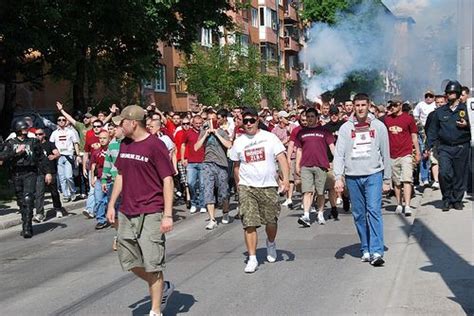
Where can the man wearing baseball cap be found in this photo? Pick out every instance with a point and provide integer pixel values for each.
(146, 210)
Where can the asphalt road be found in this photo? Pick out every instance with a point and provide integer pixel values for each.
(69, 268)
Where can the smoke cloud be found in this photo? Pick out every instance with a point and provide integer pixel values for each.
(421, 56)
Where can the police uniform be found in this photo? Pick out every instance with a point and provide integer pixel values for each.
(24, 170)
(453, 152)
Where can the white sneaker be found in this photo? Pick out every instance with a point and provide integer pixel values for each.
(59, 214)
(302, 206)
(225, 218)
(203, 210)
(312, 210)
(251, 266)
(152, 313)
(338, 201)
(399, 209)
(435, 185)
(287, 202)
(321, 219)
(407, 211)
(271, 251)
(212, 224)
(365, 257)
(426, 183)
(193, 209)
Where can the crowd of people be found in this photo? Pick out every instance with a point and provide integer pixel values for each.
(131, 165)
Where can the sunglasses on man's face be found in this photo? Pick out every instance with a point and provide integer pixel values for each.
(61, 120)
(187, 123)
(249, 120)
(39, 134)
(97, 126)
(430, 96)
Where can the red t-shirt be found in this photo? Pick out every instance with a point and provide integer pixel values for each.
(190, 138)
(170, 126)
(293, 134)
(178, 140)
(314, 141)
(143, 166)
(400, 129)
(98, 157)
(92, 141)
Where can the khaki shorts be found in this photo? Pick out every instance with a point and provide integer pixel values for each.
(402, 170)
(145, 250)
(313, 179)
(258, 206)
(330, 180)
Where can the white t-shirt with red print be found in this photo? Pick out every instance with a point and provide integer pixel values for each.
(257, 157)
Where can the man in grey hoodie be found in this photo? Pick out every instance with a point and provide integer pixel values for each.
(362, 156)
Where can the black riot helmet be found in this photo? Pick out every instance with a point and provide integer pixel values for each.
(20, 125)
(453, 86)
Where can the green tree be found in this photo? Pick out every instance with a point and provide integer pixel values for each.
(231, 76)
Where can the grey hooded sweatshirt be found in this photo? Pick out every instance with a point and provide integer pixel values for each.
(348, 159)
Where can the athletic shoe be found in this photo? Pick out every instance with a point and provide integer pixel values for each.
(102, 225)
(225, 218)
(435, 185)
(152, 313)
(193, 209)
(114, 244)
(377, 260)
(321, 219)
(304, 221)
(338, 201)
(168, 289)
(458, 206)
(287, 202)
(211, 225)
(82, 196)
(446, 206)
(365, 257)
(312, 210)
(251, 266)
(346, 205)
(59, 214)
(271, 251)
(74, 197)
(407, 211)
(302, 206)
(66, 199)
(38, 218)
(87, 214)
(334, 213)
(203, 210)
(399, 209)
(426, 183)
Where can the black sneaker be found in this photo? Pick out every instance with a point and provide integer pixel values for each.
(458, 206)
(334, 213)
(446, 206)
(168, 289)
(377, 260)
(303, 221)
(346, 205)
(101, 225)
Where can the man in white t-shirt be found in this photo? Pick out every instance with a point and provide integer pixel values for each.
(255, 169)
(421, 112)
(66, 141)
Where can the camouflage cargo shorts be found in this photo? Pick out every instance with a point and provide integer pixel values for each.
(258, 206)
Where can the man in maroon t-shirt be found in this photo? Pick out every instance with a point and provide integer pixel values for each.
(193, 165)
(402, 135)
(312, 164)
(145, 180)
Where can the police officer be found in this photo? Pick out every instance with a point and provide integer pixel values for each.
(450, 126)
(23, 154)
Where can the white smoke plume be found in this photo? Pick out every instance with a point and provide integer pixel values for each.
(421, 56)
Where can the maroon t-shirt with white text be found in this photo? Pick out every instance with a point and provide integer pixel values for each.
(143, 166)
(400, 129)
(314, 141)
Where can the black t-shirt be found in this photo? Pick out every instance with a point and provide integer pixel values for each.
(45, 164)
(333, 128)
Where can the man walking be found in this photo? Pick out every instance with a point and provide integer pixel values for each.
(146, 210)
(254, 155)
(403, 136)
(362, 155)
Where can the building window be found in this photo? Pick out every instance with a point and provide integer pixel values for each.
(243, 41)
(160, 80)
(254, 17)
(262, 16)
(206, 37)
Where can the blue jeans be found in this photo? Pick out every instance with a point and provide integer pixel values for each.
(90, 202)
(196, 184)
(366, 199)
(66, 180)
(101, 201)
(424, 163)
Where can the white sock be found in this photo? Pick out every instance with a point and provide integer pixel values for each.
(306, 214)
(253, 258)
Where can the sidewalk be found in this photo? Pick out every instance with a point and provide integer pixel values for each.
(9, 216)
(437, 272)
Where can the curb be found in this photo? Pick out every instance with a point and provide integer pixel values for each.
(17, 221)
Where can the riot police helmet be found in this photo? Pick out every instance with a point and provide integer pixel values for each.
(453, 86)
(20, 125)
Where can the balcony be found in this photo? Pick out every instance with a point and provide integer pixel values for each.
(291, 44)
(267, 34)
(290, 12)
(292, 74)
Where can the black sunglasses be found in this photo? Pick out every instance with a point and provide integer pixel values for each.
(185, 123)
(429, 96)
(97, 126)
(249, 120)
(39, 134)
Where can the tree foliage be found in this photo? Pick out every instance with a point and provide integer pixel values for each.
(231, 76)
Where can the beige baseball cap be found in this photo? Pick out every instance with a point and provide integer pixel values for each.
(131, 112)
